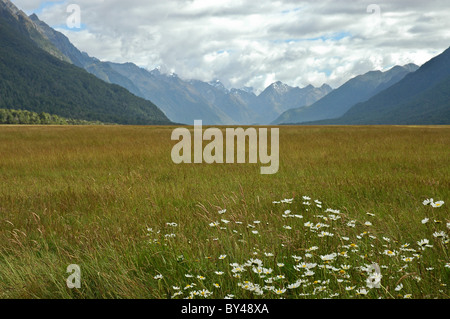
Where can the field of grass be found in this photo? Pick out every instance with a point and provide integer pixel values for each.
(108, 198)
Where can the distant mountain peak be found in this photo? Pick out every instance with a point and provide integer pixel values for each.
(243, 91)
(248, 89)
(411, 67)
(156, 71)
(279, 87)
(218, 85)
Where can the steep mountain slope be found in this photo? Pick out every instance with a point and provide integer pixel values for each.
(422, 97)
(32, 79)
(94, 66)
(22, 24)
(356, 90)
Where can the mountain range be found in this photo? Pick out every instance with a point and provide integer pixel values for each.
(358, 89)
(184, 101)
(42, 71)
(420, 98)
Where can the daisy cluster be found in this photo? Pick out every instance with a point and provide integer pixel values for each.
(319, 253)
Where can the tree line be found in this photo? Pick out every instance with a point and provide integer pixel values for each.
(9, 116)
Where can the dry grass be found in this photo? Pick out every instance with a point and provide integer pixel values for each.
(86, 195)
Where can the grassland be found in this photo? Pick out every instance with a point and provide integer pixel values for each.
(109, 199)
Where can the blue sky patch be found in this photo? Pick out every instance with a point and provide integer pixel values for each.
(45, 5)
(334, 37)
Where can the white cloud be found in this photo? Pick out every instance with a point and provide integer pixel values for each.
(254, 43)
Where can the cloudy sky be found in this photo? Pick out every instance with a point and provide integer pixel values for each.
(254, 43)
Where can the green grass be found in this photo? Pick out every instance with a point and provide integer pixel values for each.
(87, 196)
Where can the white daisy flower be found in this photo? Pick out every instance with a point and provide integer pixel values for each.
(399, 287)
(361, 291)
(440, 234)
(437, 204)
(424, 243)
(389, 253)
(329, 257)
(309, 273)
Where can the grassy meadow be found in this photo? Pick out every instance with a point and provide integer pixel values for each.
(110, 199)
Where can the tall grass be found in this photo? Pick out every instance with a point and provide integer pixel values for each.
(90, 195)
